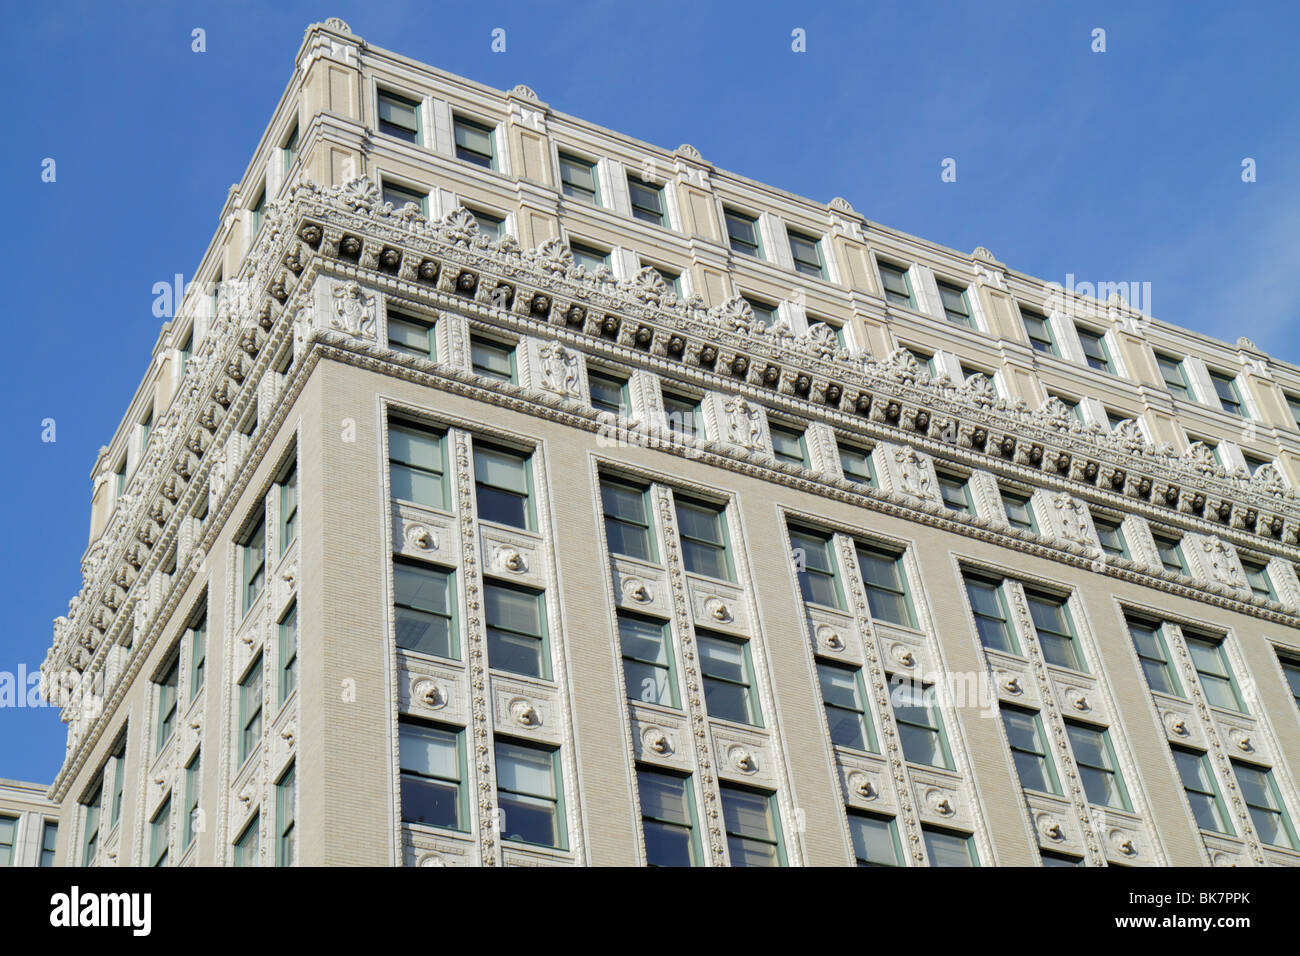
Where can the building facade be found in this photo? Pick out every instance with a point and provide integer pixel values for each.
(506, 491)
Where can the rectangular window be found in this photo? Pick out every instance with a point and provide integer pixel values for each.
(956, 308)
(1060, 859)
(875, 840)
(886, 584)
(253, 563)
(1216, 676)
(1175, 378)
(1111, 534)
(1225, 387)
(1257, 577)
(1202, 791)
(1020, 514)
(920, 729)
(857, 466)
(475, 142)
(608, 393)
(399, 117)
(492, 359)
(673, 280)
(8, 839)
(288, 653)
(250, 710)
(704, 539)
(417, 463)
(258, 209)
(516, 631)
(117, 765)
(807, 254)
(1094, 350)
(647, 201)
(433, 768)
(159, 828)
(956, 497)
(1039, 331)
(788, 445)
(627, 520)
(399, 196)
(1153, 654)
(1102, 781)
(682, 415)
(647, 659)
(946, 848)
(503, 485)
(1171, 553)
(1291, 671)
(424, 600)
(289, 509)
(529, 795)
(753, 834)
(1254, 464)
(1029, 750)
(90, 833)
(489, 225)
(668, 819)
(1267, 812)
(193, 780)
(186, 348)
(1293, 403)
(286, 837)
(1055, 629)
(589, 257)
(988, 604)
(167, 704)
(742, 233)
(578, 179)
(290, 148)
(247, 843)
(49, 840)
(764, 313)
(815, 566)
(411, 335)
(897, 285)
(846, 714)
(728, 679)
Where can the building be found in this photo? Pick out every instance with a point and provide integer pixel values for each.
(29, 825)
(526, 494)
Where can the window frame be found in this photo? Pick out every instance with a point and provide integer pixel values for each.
(1217, 807)
(1101, 362)
(668, 669)
(447, 580)
(893, 296)
(559, 820)
(749, 688)
(542, 639)
(873, 589)
(805, 266)
(824, 544)
(568, 161)
(794, 434)
(413, 727)
(415, 136)
(529, 495)
(1004, 624)
(417, 324)
(460, 119)
(891, 826)
(722, 545)
(1031, 318)
(1107, 749)
(251, 709)
(737, 244)
(1046, 766)
(489, 344)
(1280, 808)
(936, 730)
(411, 432)
(774, 838)
(964, 319)
(648, 528)
(695, 849)
(660, 217)
(864, 721)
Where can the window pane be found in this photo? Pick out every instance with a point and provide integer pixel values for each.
(875, 841)
(948, 849)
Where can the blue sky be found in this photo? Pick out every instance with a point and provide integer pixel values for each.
(1115, 166)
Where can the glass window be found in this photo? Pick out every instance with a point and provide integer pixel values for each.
(647, 659)
(753, 835)
(920, 729)
(8, 839)
(1171, 370)
(647, 201)
(742, 233)
(952, 489)
(193, 781)
(399, 117)
(668, 819)
(897, 285)
(290, 148)
(1153, 654)
(489, 225)
(988, 604)
(846, 714)
(1029, 750)
(492, 359)
(1055, 630)
(247, 843)
(167, 704)
(159, 831)
(516, 631)
(529, 795)
(1102, 781)
(704, 539)
(1094, 350)
(117, 765)
(399, 196)
(588, 257)
(90, 833)
(946, 848)
(1293, 403)
(1267, 812)
(1039, 331)
(1202, 791)
(411, 335)
(288, 653)
(1171, 553)
(807, 255)
(875, 840)
(1020, 513)
(250, 710)
(886, 584)
(728, 679)
(1291, 671)
(1225, 387)
(1060, 859)
(433, 774)
(423, 600)
(286, 797)
(1216, 676)
(1111, 534)
(49, 840)
(503, 481)
(1257, 577)
(608, 393)
(627, 520)
(764, 313)
(815, 566)
(416, 465)
(475, 142)
(789, 446)
(578, 179)
(289, 509)
(956, 308)
(682, 415)
(254, 564)
(857, 465)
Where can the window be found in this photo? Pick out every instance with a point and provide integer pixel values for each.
(250, 710)
(289, 509)
(1095, 757)
(423, 607)
(807, 254)
(1175, 378)
(1153, 654)
(1111, 534)
(588, 257)
(416, 465)
(90, 837)
(8, 839)
(1293, 403)
(1291, 671)
(288, 653)
(753, 836)
(167, 704)
(920, 730)
(956, 308)
(764, 314)
(857, 466)
(399, 117)
(290, 148)
(578, 179)
(1039, 331)
(672, 280)
(608, 393)
(186, 348)
(1254, 464)
(253, 562)
(816, 568)
(1211, 665)
(788, 445)
(1202, 791)
(952, 489)
(988, 605)
(193, 780)
(489, 225)
(887, 597)
(503, 483)
(846, 715)
(1225, 386)
(399, 196)
(117, 766)
(433, 774)
(742, 233)
(492, 359)
(258, 209)
(1267, 812)
(1020, 513)
(49, 840)
(946, 848)
(286, 797)
(411, 335)
(647, 660)
(1055, 629)
(668, 819)
(1094, 350)
(897, 285)
(475, 142)
(924, 359)
(158, 834)
(728, 678)
(1171, 553)
(704, 539)
(627, 520)
(647, 201)
(1071, 405)
(682, 415)
(1060, 859)
(246, 844)
(875, 840)
(516, 631)
(1257, 578)
(1029, 750)
(529, 794)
